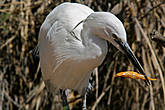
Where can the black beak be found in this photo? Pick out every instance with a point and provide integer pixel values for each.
(127, 50)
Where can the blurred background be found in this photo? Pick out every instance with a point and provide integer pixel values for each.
(21, 84)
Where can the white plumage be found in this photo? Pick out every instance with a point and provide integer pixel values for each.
(65, 61)
(67, 55)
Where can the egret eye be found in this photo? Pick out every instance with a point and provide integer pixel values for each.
(114, 37)
(117, 39)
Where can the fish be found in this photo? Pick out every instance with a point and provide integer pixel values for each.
(133, 75)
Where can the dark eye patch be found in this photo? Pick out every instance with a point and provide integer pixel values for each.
(114, 37)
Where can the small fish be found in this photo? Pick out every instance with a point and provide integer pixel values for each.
(133, 75)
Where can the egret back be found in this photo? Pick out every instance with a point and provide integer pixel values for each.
(69, 14)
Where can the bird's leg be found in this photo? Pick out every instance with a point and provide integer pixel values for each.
(64, 100)
(85, 96)
(84, 101)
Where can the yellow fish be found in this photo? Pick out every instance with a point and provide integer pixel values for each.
(133, 75)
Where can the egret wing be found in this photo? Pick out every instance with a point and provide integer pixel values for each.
(61, 64)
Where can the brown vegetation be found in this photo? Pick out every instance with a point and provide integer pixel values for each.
(21, 84)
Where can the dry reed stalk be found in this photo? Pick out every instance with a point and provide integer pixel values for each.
(112, 82)
(147, 71)
(12, 3)
(151, 49)
(100, 97)
(22, 75)
(7, 42)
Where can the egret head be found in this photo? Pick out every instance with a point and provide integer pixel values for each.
(109, 27)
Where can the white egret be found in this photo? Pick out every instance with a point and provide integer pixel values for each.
(73, 41)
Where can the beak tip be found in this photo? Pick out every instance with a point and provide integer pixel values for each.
(147, 81)
(127, 50)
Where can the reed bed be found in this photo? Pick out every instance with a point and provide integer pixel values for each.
(21, 84)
